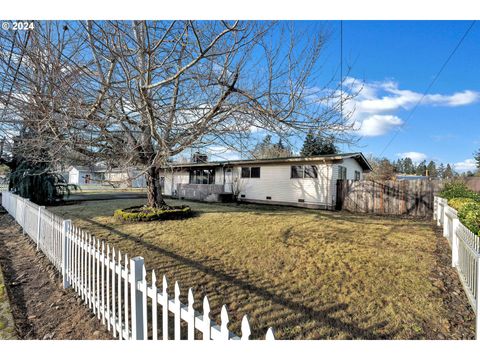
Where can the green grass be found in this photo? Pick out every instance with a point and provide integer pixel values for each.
(309, 274)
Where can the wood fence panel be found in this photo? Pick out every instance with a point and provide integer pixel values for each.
(413, 198)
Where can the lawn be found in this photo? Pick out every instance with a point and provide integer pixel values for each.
(309, 274)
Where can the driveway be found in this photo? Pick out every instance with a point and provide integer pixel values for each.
(106, 196)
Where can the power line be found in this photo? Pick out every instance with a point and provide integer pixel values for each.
(341, 69)
(430, 85)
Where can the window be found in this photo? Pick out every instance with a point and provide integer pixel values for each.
(303, 171)
(296, 172)
(250, 172)
(310, 171)
(357, 175)
(342, 173)
(202, 176)
(245, 172)
(255, 172)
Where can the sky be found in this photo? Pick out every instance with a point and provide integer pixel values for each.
(393, 63)
(396, 62)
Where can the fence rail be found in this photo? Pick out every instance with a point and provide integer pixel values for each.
(114, 286)
(465, 247)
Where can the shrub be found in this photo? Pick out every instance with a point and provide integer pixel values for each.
(469, 215)
(458, 189)
(143, 213)
(458, 203)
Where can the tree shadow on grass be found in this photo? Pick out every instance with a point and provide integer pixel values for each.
(253, 292)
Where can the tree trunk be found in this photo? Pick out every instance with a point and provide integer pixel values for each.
(154, 191)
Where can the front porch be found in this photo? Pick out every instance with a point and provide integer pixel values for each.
(205, 192)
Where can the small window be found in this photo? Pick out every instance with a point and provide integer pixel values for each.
(248, 172)
(297, 172)
(310, 171)
(342, 173)
(255, 172)
(357, 175)
(304, 171)
(245, 172)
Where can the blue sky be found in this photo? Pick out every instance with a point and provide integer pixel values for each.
(403, 57)
(394, 62)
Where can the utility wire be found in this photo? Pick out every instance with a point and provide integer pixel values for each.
(430, 85)
(341, 69)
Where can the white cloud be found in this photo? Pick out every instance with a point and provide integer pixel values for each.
(375, 106)
(415, 156)
(465, 165)
(377, 125)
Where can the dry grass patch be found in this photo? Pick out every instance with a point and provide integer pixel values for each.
(309, 274)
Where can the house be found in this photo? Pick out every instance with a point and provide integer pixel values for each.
(101, 175)
(300, 181)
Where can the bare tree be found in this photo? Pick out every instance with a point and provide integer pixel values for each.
(141, 92)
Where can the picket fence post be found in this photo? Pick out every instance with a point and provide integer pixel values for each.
(455, 224)
(65, 229)
(24, 214)
(477, 287)
(445, 222)
(136, 268)
(39, 223)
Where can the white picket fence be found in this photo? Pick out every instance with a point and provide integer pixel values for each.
(115, 287)
(465, 247)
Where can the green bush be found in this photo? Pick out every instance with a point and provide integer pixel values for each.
(469, 215)
(143, 213)
(458, 189)
(458, 203)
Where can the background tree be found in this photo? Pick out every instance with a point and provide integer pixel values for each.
(408, 166)
(432, 169)
(382, 169)
(448, 173)
(477, 159)
(265, 149)
(441, 171)
(421, 168)
(318, 145)
(139, 93)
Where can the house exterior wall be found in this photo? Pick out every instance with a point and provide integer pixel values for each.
(171, 179)
(276, 183)
(77, 177)
(73, 176)
(351, 165)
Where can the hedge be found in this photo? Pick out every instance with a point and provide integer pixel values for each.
(466, 202)
(142, 213)
(458, 203)
(458, 189)
(469, 215)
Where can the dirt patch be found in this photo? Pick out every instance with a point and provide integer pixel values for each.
(40, 307)
(459, 314)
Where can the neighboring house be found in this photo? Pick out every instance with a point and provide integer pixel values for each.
(101, 175)
(300, 181)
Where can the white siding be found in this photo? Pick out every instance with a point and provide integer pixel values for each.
(172, 179)
(73, 177)
(275, 182)
(219, 175)
(351, 165)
